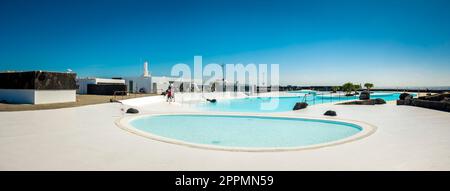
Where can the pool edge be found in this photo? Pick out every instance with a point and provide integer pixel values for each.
(367, 130)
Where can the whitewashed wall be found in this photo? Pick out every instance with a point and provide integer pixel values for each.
(54, 96)
(31, 96)
(82, 85)
(17, 95)
(138, 83)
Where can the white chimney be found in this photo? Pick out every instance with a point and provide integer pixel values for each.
(145, 69)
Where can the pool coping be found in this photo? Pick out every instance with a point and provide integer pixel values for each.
(367, 130)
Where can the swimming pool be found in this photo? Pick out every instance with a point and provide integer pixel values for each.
(246, 133)
(253, 104)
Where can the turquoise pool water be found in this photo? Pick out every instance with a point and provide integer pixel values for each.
(253, 104)
(245, 131)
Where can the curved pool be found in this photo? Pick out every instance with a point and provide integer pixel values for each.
(231, 132)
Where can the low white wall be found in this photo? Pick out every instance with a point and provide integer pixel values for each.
(183, 97)
(54, 96)
(17, 95)
(31, 96)
(109, 81)
(143, 100)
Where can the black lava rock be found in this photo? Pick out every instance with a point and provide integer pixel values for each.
(447, 99)
(408, 97)
(379, 101)
(330, 113)
(365, 95)
(132, 110)
(211, 100)
(403, 96)
(300, 105)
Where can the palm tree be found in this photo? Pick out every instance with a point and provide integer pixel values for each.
(335, 89)
(356, 87)
(368, 86)
(348, 88)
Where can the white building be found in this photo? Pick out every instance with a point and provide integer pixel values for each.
(140, 84)
(220, 85)
(37, 87)
(160, 84)
(146, 83)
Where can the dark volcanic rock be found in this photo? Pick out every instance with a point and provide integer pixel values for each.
(38, 80)
(437, 105)
(436, 97)
(211, 100)
(408, 100)
(300, 105)
(379, 101)
(400, 102)
(437, 102)
(359, 102)
(365, 102)
(132, 110)
(403, 96)
(408, 97)
(365, 95)
(330, 113)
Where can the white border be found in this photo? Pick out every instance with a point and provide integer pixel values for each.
(367, 129)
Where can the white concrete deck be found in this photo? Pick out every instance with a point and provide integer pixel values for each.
(86, 138)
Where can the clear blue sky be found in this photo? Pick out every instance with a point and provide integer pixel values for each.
(389, 43)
